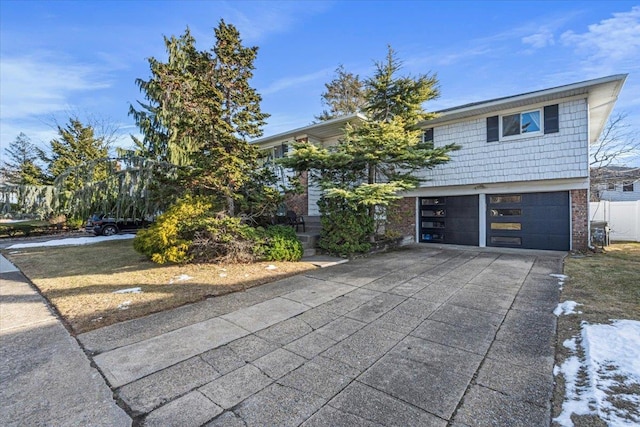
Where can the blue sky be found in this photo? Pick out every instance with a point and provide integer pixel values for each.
(58, 57)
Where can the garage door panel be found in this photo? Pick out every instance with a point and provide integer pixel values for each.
(542, 223)
(451, 219)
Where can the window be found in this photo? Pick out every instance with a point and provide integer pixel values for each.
(427, 135)
(506, 226)
(506, 212)
(427, 202)
(523, 123)
(611, 186)
(515, 198)
(627, 186)
(506, 240)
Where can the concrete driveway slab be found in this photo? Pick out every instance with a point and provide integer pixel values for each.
(374, 405)
(126, 364)
(265, 314)
(426, 336)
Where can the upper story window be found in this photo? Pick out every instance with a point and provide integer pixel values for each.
(523, 123)
(627, 186)
(427, 135)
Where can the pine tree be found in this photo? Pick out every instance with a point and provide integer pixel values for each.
(21, 162)
(344, 95)
(228, 161)
(74, 153)
(199, 111)
(379, 157)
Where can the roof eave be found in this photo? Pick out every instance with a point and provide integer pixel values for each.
(319, 130)
(601, 93)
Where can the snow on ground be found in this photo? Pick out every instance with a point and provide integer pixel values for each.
(180, 278)
(561, 279)
(128, 291)
(611, 363)
(73, 241)
(567, 307)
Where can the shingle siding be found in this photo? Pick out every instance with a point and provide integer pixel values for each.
(552, 156)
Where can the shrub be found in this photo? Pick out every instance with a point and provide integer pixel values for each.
(169, 238)
(224, 239)
(281, 244)
(345, 227)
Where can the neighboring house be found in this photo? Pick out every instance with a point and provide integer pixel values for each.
(615, 184)
(520, 179)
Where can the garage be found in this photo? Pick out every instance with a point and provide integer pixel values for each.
(529, 220)
(450, 219)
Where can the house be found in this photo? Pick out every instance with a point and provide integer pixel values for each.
(615, 184)
(520, 179)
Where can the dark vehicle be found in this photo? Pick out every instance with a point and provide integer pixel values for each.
(108, 225)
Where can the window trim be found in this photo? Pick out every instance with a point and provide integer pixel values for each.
(549, 123)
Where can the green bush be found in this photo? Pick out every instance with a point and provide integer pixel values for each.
(170, 236)
(345, 228)
(281, 244)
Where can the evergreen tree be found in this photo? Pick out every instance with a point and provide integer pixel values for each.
(199, 111)
(20, 165)
(74, 154)
(378, 158)
(344, 95)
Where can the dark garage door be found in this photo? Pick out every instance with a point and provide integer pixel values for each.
(529, 220)
(451, 219)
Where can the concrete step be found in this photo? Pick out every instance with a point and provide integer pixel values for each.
(309, 252)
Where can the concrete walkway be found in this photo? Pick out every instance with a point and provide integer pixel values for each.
(45, 377)
(425, 336)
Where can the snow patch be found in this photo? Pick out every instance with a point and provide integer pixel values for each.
(567, 307)
(180, 278)
(271, 267)
(128, 291)
(561, 279)
(124, 305)
(611, 366)
(74, 241)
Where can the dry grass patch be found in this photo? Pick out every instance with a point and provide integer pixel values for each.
(80, 280)
(608, 287)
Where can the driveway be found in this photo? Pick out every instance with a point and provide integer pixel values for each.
(425, 336)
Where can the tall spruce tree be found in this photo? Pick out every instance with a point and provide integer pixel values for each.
(379, 157)
(20, 164)
(199, 112)
(343, 95)
(74, 154)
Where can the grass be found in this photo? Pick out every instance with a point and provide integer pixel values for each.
(608, 287)
(80, 280)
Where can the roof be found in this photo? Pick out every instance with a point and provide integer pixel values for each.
(320, 130)
(601, 93)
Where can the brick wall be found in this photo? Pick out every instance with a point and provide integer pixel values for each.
(579, 220)
(299, 203)
(402, 217)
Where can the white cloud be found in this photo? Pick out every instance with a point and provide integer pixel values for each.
(613, 39)
(542, 38)
(38, 85)
(292, 82)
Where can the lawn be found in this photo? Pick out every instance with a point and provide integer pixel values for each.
(607, 285)
(80, 281)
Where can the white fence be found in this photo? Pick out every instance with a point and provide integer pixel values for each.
(623, 218)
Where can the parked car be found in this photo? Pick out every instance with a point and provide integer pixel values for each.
(107, 225)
